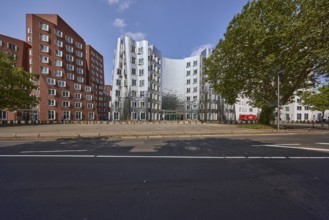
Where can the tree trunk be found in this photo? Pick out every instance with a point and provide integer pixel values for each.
(266, 115)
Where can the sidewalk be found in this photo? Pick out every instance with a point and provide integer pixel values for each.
(150, 130)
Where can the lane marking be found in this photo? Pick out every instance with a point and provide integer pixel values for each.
(47, 156)
(322, 143)
(52, 151)
(296, 148)
(164, 157)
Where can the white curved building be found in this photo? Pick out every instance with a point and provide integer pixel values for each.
(141, 76)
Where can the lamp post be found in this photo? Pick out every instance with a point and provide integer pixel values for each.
(278, 118)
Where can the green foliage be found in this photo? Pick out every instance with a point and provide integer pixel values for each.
(15, 85)
(170, 102)
(317, 101)
(286, 37)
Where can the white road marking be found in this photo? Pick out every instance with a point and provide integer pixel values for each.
(52, 151)
(322, 143)
(162, 157)
(296, 148)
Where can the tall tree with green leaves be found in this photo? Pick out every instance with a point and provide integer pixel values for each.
(288, 38)
(318, 101)
(15, 85)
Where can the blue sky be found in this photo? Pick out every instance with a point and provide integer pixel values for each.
(177, 27)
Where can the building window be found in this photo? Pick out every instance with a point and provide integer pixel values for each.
(195, 63)
(188, 90)
(78, 45)
(69, 48)
(78, 115)
(305, 116)
(80, 79)
(195, 89)
(89, 97)
(287, 109)
(133, 60)
(58, 53)
(70, 76)
(51, 115)
(88, 88)
(12, 46)
(67, 115)
(69, 58)
(299, 108)
(188, 73)
(141, 104)
(141, 72)
(77, 87)
(44, 38)
(299, 116)
(195, 72)
(52, 102)
(61, 83)
(141, 61)
(188, 82)
(59, 43)
(142, 93)
(3, 115)
(90, 106)
(66, 94)
(91, 115)
(70, 67)
(78, 105)
(133, 82)
(143, 116)
(299, 101)
(79, 62)
(59, 33)
(77, 95)
(188, 64)
(141, 83)
(79, 71)
(51, 81)
(52, 92)
(44, 70)
(58, 73)
(44, 59)
(307, 108)
(195, 81)
(69, 39)
(44, 49)
(79, 53)
(44, 27)
(116, 115)
(133, 71)
(58, 63)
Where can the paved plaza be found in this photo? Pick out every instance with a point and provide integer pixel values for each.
(156, 129)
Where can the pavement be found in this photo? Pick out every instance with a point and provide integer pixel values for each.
(147, 130)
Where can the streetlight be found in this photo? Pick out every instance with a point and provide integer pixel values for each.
(278, 118)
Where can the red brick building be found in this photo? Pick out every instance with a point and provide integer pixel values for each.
(70, 74)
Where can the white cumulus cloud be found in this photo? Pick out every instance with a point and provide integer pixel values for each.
(119, 23)
(196, 51)
(121, 5)
(137, 36)
(113, 2)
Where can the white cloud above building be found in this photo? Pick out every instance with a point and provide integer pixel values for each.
(119, 23)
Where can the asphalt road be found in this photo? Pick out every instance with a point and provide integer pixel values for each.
(266, 177)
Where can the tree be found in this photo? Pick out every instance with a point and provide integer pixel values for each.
(170, 102)
(285, 37)
(317, 101)
(15, 85)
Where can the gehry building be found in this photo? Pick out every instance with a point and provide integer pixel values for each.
(141, 77)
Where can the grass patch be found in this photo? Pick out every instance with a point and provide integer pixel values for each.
(255, 126)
